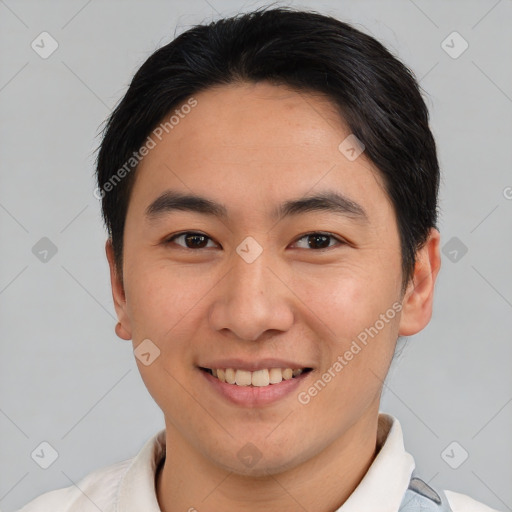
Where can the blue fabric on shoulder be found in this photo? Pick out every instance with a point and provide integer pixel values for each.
(420, 497)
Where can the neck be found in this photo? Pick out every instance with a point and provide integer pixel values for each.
(187, 481)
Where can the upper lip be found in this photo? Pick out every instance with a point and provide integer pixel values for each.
(252, 366)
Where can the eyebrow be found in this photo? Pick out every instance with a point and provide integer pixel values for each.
(327, 201)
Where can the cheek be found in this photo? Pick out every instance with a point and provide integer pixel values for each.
(161, 311)
(160, 298)
(357, 317)
(346, 299)
(148, 304)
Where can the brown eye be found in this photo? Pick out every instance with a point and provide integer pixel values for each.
(319, 241)
(192, 240)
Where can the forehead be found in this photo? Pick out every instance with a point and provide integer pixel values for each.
(257, 145)
(252, 116)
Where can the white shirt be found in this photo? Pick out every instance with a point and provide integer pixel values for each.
(129, 486)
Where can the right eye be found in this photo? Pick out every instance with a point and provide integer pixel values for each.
(192, 239)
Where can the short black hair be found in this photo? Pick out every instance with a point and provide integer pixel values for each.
(376, 94)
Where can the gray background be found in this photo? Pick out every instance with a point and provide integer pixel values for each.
(67, 379)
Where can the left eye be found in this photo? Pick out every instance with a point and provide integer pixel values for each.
(319, 239)
(316, 241)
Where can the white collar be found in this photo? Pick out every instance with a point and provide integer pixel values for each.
(381, 489)
(384, 484)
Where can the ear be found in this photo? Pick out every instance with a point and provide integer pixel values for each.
(123, 329)
(419, 296)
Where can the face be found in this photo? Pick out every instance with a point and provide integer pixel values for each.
(251, 289)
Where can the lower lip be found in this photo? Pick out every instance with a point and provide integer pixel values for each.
(254, 396)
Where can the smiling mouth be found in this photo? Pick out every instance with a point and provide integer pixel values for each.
(259, 378)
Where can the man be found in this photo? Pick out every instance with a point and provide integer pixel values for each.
(269, 184)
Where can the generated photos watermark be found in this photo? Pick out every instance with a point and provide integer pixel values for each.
(149, 144)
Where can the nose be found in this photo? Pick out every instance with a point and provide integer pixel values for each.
(252, 299)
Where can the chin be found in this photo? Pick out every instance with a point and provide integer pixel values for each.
(255, 463)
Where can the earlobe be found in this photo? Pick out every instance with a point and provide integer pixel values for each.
(122, 332)
(418, 299)
(122, 329)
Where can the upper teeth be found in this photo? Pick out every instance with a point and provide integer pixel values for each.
(258, 378)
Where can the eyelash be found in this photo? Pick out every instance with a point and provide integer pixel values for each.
(306, 235)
